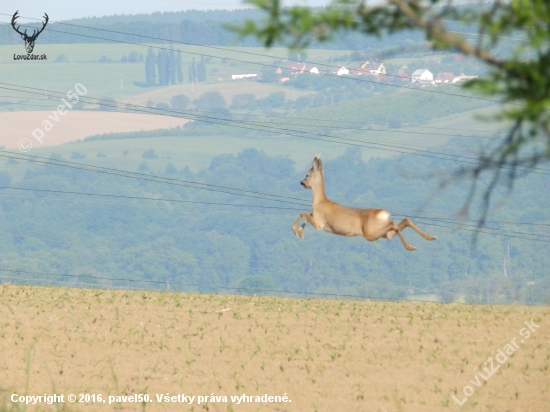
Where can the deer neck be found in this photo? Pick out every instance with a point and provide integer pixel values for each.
(319, 191)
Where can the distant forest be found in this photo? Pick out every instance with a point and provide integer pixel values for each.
(197, 27)
(196, 244)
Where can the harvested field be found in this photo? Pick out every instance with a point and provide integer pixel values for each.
(326, 355)
(76, 125)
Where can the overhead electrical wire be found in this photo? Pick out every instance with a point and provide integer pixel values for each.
(215, 48)
(156, 179)
(234, 288)
(71, 162)
(252, 62)
(145, 207)
(458, 225)
(262, 123)
(393, 139)
(270, 65)
(147, 198)
(293, 273)
(292, 132)
(229, 258)
(310, 118)
(436, 217)
(153, 178)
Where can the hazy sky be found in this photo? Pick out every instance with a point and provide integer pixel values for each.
(69, 9)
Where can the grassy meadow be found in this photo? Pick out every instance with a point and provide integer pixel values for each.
(115, 79)
(326, 355)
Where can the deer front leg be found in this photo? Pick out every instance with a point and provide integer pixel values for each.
(299, 232)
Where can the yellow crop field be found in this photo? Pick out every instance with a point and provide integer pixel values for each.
(284, 354)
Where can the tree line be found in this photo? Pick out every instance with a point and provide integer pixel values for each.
(209, 33)
(183, 248)
(166, 68)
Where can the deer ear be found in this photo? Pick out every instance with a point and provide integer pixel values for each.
(317, 164)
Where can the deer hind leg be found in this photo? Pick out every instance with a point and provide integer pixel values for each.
(299, 231)
(389, 231)
(397, 229)
(408, 223)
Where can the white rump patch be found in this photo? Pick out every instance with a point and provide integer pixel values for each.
(383, 215)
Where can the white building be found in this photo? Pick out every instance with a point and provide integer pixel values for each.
(314, 70)
(242, 76)
(422, 76)
(342, 71)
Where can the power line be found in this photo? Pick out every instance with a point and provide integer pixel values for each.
(98, 286)
(533, 236)
(257, 63)
(259, 261)
(481, 231)
(205, 285)
(395, 213)
(147, 207)
(261, 123)
(226, 49)
(414, 146)
(94, 170)
(342, 140)
(256, 260)
(153, 178)
(146, 198)
(224, 260)
(309, 118)
(445, 218)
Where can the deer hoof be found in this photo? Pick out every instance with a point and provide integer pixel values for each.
(431, 238)
(411, 248)
(300, 233)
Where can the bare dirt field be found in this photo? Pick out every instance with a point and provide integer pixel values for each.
(75, 125)
(324, 355)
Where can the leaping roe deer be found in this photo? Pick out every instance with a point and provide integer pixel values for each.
(372, 224)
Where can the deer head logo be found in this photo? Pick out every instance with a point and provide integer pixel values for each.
(29, 40)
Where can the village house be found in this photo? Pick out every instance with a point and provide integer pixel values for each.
(376, 68)
(340, 71)
(403, 75)
(445, 78)
(297, 68)
(359, 72)
(300, 68)
(422, 77)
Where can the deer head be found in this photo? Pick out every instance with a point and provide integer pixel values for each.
(29, 40)
(314, 173)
